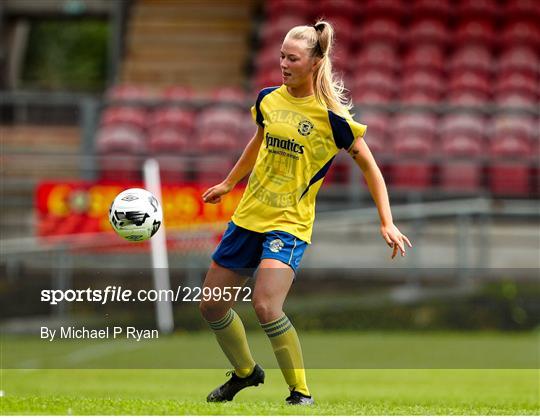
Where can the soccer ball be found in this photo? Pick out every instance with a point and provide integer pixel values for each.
(135, 214)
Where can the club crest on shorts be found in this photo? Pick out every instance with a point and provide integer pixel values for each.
(305, 127)
(276, 245)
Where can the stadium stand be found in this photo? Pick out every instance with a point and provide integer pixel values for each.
(155, 73)
(162, 33)
(54, 151)
(472, 71)
(429, 53)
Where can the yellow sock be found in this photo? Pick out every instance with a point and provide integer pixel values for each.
(231, 336)
(288, 352)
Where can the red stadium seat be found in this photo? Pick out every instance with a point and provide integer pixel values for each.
(412, 169)
(384, 81)
(424, 81)
(228, 136)
(120, 139)
(428, 31)
(344, 30)
(217, 141)
(119, 166)
(475, 58)
(340, 58)
(379, 30)
(419, 98)
(268, 57)
(222, 119)
(268, 77)
(376, 121)
(173, 168)
(411, 175)
(332, 9)
(516, 125)
(129, 92)
(509, 168)
(274, 31)
(248, 129)
(371, 96)
(519, 82)
(424, 57)
(461, 145)
(517, 99)
(470, 81)
(461, 168)
(275, 9)
(431, 8)
(178, 93)
(378, 127)
(413, 144)
(417, 123)
(130, 116)
(510, 146)
(460, 175)
(467, 98)
(178, 118)
(521, 32)
(377, 8)
(229, 95)
(377, 56)
(479, 8)
(467, 124)
(514, 143)
(524, 59)
(210, 170)
(475, 31)
(169, 140)
(509, 178)
(340, 170)
(528, 9)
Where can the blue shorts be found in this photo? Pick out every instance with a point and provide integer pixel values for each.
(242, 249)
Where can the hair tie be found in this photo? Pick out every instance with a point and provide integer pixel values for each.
(318, 49)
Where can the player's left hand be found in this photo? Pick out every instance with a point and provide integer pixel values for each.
(214, 193)
(395, 239)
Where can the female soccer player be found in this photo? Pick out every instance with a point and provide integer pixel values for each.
(301, 126)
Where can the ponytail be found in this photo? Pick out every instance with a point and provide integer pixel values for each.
(328, 88)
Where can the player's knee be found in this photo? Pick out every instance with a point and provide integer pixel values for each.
(212, 310)
(265, 311)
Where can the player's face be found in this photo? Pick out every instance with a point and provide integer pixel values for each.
(297, 65)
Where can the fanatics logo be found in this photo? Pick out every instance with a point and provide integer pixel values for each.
(305, 127)
(276, 245)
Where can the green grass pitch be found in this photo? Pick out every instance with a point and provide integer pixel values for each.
(90, 391)
(337, 392)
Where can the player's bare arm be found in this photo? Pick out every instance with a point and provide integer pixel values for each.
(364, 159)
(242, 168)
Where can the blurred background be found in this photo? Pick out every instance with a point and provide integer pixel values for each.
(450, 92)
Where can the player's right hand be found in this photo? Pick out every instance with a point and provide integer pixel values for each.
(214, 193)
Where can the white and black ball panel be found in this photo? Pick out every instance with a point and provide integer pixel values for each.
(135, 214)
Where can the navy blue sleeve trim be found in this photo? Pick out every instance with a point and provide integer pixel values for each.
(262, 94)
(341, 131)
(319, 175)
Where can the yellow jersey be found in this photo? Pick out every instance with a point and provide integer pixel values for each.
(301, 139)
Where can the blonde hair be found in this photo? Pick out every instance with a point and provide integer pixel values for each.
(328, 88)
